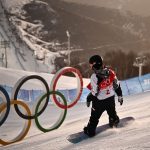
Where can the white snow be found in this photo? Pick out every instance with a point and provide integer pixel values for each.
(10, 76)
(26, 50)
(134, 136)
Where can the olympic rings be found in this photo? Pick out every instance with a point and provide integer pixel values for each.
(14, 101)
(79, 88)
(4, 116)
(26, 127)
(62, 115)
(17, 88)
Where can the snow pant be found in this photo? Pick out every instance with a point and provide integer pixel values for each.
(98, 107)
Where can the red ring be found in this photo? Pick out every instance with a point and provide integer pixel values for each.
(79, 88)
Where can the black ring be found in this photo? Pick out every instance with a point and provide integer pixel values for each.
(8, 105)
(14, 97)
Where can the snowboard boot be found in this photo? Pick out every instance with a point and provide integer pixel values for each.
(113, 122)
(88, 132)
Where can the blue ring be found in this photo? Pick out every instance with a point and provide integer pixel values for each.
(8, 105)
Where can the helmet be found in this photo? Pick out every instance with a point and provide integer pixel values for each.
(96, 61)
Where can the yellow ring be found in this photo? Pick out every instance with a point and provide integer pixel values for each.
(26, 127)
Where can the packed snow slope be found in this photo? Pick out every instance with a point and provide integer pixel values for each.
(134, 136)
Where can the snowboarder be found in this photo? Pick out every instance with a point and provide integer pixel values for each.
(104, 84)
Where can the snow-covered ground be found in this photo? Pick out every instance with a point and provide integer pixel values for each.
(18, 55)
(9, 77)
(134, 136)
(23, 51)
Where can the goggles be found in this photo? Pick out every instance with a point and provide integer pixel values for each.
(99, 70)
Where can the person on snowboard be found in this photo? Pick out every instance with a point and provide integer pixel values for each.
(103, 85)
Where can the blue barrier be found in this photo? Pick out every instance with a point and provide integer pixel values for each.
(136, 85)
(145, 82)
(129, 87)
(133, 86)
(124, 87)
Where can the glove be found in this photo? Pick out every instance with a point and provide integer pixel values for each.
(120, 100)
(88, 104)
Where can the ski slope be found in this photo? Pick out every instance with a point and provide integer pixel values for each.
(18, 56)
(135, 136)
(20, 52)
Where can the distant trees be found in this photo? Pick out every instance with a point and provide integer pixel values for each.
(146, 69)
(122, 63)
(118, 60)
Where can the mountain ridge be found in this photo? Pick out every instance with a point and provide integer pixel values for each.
(42, 25)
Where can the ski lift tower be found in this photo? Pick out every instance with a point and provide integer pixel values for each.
(140, 62)
(5, 44)
(68, 35)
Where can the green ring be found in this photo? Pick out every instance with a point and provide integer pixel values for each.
(62, 115)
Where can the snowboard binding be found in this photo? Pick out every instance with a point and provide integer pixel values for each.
(88, 133)
(113, 123)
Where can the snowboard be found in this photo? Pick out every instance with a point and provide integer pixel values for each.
(80, 136)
